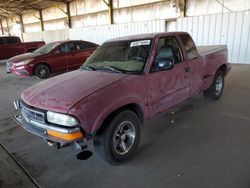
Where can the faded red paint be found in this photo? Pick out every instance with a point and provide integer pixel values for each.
(91, 96)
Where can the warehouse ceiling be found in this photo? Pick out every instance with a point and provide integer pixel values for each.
(17, 7)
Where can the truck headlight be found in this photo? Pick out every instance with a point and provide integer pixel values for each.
(25, 62)
(61, 119)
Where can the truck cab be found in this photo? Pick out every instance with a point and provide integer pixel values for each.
(11, 46)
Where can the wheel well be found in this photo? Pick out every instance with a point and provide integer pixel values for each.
(133, 107)
(223, 68)
(41, 64)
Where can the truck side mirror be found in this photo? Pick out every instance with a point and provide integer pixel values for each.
(162, 64)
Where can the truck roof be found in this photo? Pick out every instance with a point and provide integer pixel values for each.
(143, 36)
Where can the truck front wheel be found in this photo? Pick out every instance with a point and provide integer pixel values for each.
(119, 140)
(215, 91)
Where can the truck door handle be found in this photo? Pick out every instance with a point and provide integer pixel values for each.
(187, 69)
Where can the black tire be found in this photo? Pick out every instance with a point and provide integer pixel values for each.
(106, 142)
(42, 71)
(215, 91)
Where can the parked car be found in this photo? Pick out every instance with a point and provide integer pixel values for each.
(11, 46)
(56, 56)
(125, 82)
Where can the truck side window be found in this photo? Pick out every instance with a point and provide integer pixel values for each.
(86, 45)
(11, 40)
(189, 46)
(169, 48)
(1, 41)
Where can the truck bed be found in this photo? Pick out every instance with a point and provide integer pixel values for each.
(205, 50)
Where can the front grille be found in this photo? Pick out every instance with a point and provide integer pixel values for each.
(31, 113)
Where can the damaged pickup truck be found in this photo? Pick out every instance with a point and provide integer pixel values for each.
(126, 81)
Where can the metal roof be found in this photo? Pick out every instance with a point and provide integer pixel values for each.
(18, 7)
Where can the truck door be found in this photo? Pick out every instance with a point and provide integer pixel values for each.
(195, 63)
(167, 88)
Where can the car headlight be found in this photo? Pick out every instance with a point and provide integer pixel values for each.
(61, 119)
(25, 62)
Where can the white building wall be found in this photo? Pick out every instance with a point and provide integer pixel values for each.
(98, 34)
(231, 29)
(204, 7)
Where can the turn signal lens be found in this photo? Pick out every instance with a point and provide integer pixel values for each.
(68, 136)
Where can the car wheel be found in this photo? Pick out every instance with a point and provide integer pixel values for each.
(119, 140)
(215, 91)
(42, 71)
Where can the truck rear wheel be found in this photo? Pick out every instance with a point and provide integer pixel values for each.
(42, 71)
(215, 91)
(119, 140)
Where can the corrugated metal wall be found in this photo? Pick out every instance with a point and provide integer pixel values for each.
(98, 34)
(231, 29)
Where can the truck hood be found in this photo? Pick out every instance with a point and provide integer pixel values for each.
(60, 93)
(23, 57)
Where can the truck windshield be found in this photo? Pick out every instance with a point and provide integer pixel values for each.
(47, 48)
(120, 56)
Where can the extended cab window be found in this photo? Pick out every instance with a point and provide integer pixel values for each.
(1, 41)
(11, 40)
(189, 46)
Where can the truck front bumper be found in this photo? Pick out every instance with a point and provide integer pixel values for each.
(59, 136)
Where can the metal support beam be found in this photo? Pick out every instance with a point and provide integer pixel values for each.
(1, 24)
(8, 27)
(182, 6)
(69, 15)
(21, 21)
(111, 12)
(41, 19)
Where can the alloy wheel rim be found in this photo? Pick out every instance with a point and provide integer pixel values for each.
(218, 85)
(124, 137)
(42, 71)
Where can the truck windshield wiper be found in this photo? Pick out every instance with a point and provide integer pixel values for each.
(88, 68)
(113, 69)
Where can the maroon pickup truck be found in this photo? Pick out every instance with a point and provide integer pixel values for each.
(50, 58)
(11, 46)
(125, 82)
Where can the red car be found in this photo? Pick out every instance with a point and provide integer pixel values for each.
(125, 82)
(56, 56)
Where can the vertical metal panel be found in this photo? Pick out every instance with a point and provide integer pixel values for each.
(231, 29)
(99, 34)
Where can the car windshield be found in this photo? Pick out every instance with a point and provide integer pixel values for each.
(120, 56)
(47, 48)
